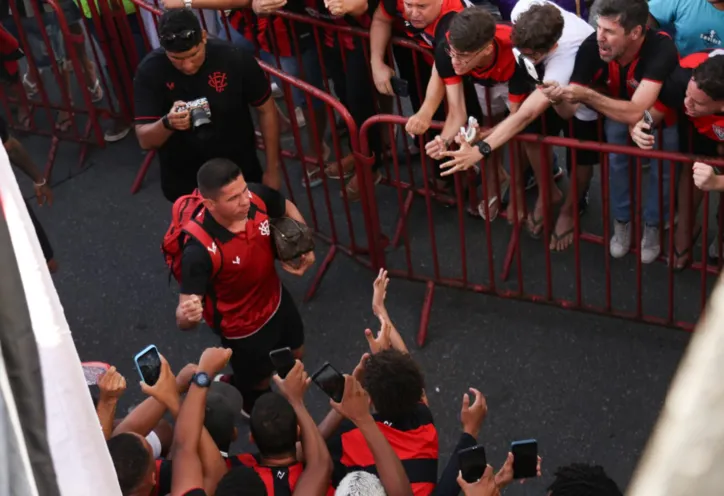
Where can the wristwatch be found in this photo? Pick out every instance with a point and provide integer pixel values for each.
(484, 148)
(166, 123)
(201, 379)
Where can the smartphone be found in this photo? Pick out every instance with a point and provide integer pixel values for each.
(93, 371)
(330, 381)
(399, 86)
(472, 462)
(283, 361)
(148, 363)
(525, 462)
(650, 121)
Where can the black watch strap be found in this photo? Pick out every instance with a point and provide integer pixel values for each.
(484, 148)
(166, 123)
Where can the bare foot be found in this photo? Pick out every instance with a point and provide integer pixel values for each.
(535, 219)
(563, 233)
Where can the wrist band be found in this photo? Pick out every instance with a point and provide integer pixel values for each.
(40, 185)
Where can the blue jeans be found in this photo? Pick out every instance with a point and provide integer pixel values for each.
(289, 65)
(617, 133)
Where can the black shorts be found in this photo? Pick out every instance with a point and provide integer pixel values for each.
(551, 124)
(250, 358)
(691, 141)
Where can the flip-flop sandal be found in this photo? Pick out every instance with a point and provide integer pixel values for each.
(96, 91)
(537, 231)
(685, 255)
(559, 237)
(481, 206)
(63, 125)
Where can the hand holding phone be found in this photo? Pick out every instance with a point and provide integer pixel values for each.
(399, 86)
(148, 364)
(93, 371)
(472, 462)
(329, 380)
(648, 119)
(283, 361)
(525, 461)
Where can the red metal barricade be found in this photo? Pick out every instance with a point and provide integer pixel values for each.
(465, 254)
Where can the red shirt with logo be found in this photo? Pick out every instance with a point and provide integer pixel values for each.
(673, 93)
(245, 293)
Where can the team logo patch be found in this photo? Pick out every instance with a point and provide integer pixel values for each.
(719, 131)
(217, 80)
(264, 228)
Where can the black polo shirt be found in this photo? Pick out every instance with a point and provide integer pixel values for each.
(195, 492)
(657, 57)
(196, 264)
(231, 80)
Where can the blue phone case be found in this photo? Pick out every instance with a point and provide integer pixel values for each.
(140, 354)
(526, 441)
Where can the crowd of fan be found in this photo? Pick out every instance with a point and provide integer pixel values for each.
(380, 439)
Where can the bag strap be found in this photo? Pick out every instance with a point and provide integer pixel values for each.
(197, 231)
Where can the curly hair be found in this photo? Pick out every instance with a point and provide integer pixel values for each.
(394, 383)
(539, 28)
(709, 77)
(580, 479)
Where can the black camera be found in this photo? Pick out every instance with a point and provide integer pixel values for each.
(199, 111)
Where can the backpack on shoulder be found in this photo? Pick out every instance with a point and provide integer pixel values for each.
(185, 222)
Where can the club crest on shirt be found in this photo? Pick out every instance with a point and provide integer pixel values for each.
(264, 228)
(719, 131)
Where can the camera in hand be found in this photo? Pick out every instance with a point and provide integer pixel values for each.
(199, 111)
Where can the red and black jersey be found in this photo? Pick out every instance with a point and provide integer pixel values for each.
(279, 481)
(9, 54)
(433, 33)
(163, 478)
(655, 60)
(246, 291)
(332, 37)
(673, 93)
(500, 70)
(413, 439)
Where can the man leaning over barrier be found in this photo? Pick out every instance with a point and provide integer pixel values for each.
(192, 99)
(696, 90)
(631, 61)
(548, 38)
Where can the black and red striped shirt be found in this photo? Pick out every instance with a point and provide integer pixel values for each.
(413, 439)
(673, 93)
(279, 481)
(655, 60)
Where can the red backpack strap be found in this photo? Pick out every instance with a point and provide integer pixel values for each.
(196, 230)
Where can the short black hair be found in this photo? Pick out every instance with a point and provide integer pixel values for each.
(539, 28)
(471, 29)
(580, 479)
(273, 424)
(628, 13)
(709, 77)
(394, 382)
(241, 481)
(214, 175)
(131, 460)
(179, 30)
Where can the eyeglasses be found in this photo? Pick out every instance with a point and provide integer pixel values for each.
(183, 35)
(463, 57)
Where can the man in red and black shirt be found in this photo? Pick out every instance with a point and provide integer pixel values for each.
(695, 90)
(396, 387)
(474, 61)
(629, 62)
(244, 301)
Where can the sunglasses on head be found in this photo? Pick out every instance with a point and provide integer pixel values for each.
(183, 35)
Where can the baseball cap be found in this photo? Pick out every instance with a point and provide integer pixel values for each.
(223, 407)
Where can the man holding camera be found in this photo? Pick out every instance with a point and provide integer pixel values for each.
(192, 98)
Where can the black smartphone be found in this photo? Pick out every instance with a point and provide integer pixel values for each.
(148, 363)
(472, 463)
(283, 361)
(650, 121)
(525, 461)
(399, 86)
(330, 381)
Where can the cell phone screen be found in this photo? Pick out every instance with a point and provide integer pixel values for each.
(149, 365)
(283, 361)
(330, 381)
(525, 461)
(472, 463)
(93, 371)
